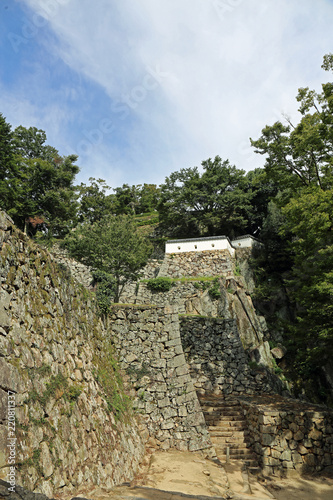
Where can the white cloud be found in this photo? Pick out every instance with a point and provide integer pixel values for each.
(229, 71)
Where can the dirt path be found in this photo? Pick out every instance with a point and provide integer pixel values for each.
(177, 475)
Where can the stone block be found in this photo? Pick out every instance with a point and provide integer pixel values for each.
(5, 320)
(177, 361)
(46, 460)
(158, 363)
(286, 456)
(288, 435)
(167, 425)
(9, 377)
(310, 460)
(267, 439)
(297, 458)
(287, 465)
(182, 370)
(182, 412)
(162, 403)
(273, 462)
(315, 434)
(169, 412)
(298, 436)
(150, 407)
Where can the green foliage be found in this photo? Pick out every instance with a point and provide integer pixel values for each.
(108, 375)
(237, 270)
(160, 284)
(294, 269)
(45, 194)
(56, 382)
(94, 203)
(301, 156)
(112, 245)
(147, 221)
(212, 203)
(105, 289)
(8, 168)
(254, 366)
(309, 218)
(132, 200)
(201, 285)
(215, 290)
(73, 393)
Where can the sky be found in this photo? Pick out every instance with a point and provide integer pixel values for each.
(139, 89)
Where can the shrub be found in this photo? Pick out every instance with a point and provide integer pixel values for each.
(215, 290)
(105, 289)
(160, 284)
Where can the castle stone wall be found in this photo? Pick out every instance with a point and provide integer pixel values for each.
(68, 430)
(150, 352)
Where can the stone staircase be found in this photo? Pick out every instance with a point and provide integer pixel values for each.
(228, 428)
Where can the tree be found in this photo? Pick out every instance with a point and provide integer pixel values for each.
(148, 198)
(301, 156)
(212, 203)
(262, 191)
(309, 217)
(94, 202)
(44, 182)
(30, 143)
(126, 199)
(112, 245)
(299, 238)
(8, 169)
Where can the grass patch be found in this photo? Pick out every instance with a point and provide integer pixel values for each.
(108, 375)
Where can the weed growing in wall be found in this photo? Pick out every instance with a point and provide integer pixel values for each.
(237, 270)
(108, 375)
(215, 290)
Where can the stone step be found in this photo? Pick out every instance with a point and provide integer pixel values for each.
(229, 433)
(228, 429)
(223, 412)
(232, 444)
(251, 463)
(215, 415)
(234, 452)
(220, 403)
(227, 425)
(228, 441)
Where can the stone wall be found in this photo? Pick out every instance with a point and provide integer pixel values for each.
(79, 272)
(207, 263)
(150, 351)
(288, 435)
(72, 426)
(193, 298)
(185, 295)
(218, 361)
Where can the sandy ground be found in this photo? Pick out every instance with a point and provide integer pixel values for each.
(176, 475)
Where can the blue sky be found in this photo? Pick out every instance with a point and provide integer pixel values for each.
(141, 88)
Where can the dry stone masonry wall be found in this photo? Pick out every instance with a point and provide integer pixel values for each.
(52, 342)
(77, 270)
(288, 435)
(206, 263)
(151, 353)
(217, 359)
